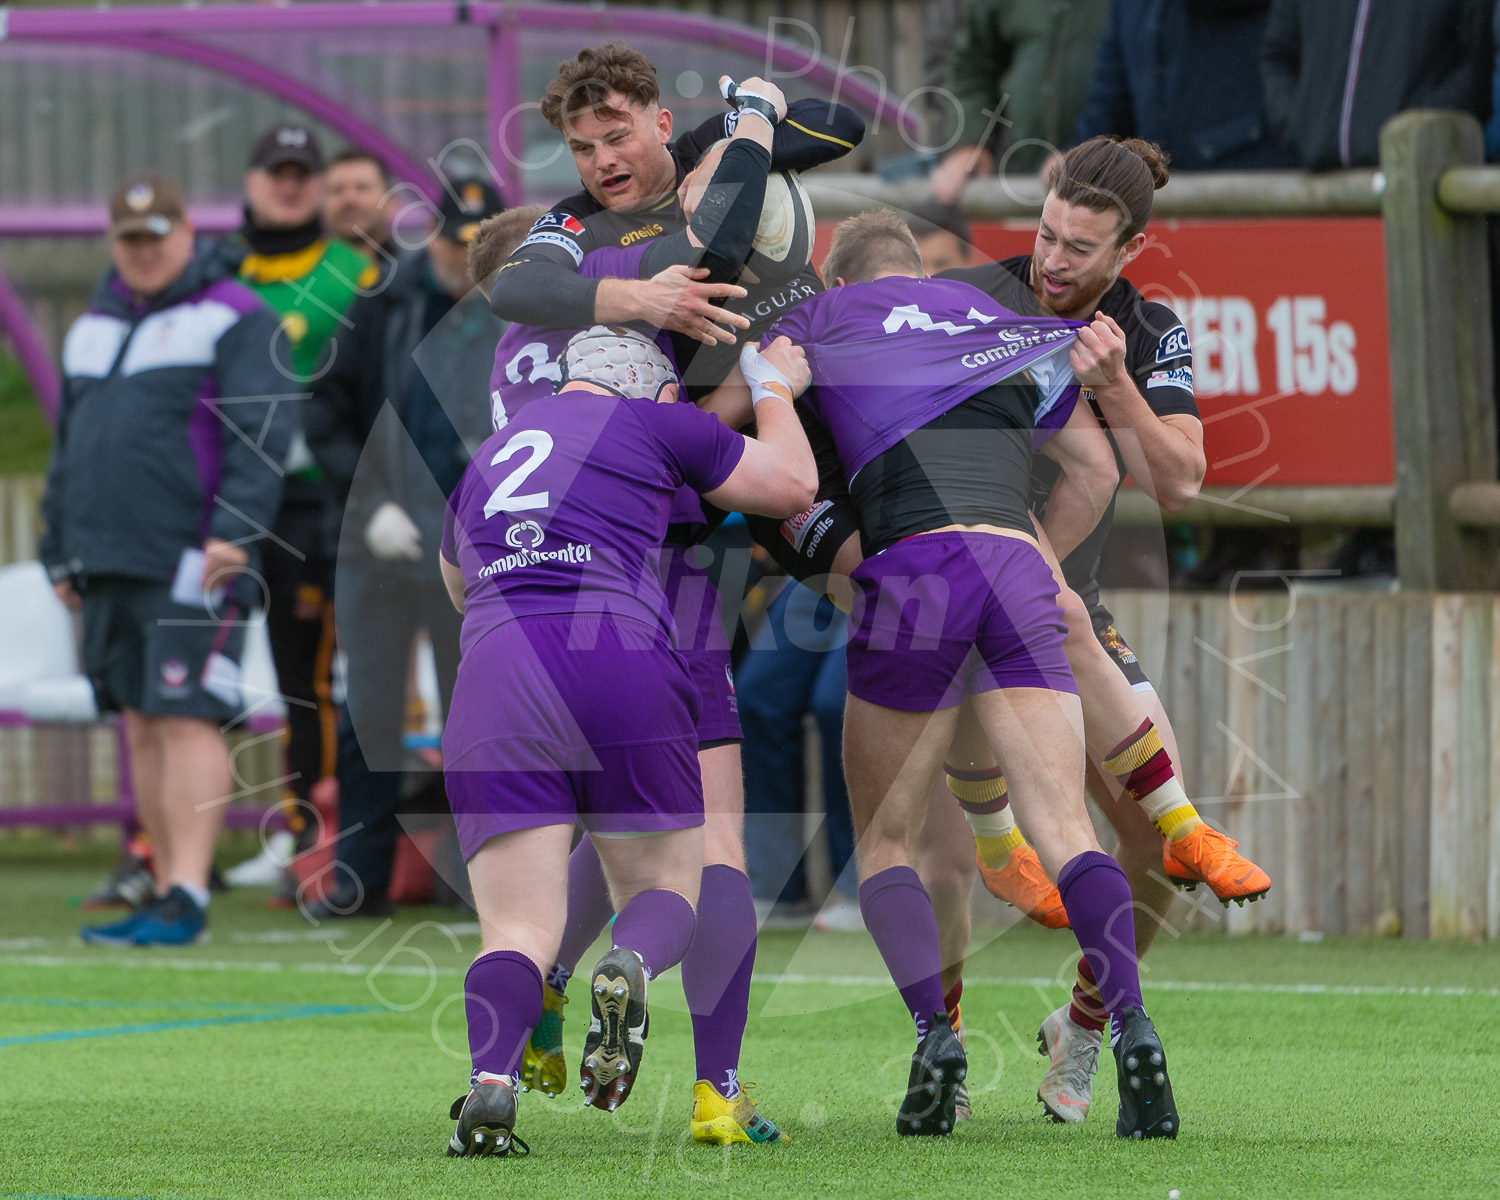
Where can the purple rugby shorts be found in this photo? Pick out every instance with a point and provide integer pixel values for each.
(944, 615)
(698, 635)
(562, 718)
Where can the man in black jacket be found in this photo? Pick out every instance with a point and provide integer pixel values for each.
(1336, 70)
(392, 425)
(1184, 74)
(165, 478)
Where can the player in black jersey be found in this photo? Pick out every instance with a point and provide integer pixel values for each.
(1137, 363)
(605, 102)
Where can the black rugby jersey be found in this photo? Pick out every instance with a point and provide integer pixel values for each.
(813, 132)
(1158, 355)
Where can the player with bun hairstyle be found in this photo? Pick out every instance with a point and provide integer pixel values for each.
(1136, 363)
(936, 398)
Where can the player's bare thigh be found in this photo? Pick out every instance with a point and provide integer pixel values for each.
(671, 861)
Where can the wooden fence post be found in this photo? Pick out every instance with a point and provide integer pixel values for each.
(1442, 376)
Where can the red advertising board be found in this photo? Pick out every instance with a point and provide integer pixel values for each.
(1290, 353)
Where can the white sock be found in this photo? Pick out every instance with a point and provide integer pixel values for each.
(199, 895)
(991, 825)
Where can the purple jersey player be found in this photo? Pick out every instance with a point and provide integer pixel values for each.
(571, 704)
(933, 395)
(716, 973)
(527, 369)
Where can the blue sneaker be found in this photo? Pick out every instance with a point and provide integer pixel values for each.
(116, 933)
(174, 920)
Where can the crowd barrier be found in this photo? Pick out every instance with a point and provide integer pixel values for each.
(1350, 741)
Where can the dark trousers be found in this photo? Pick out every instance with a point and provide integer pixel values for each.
(794, 665)
(299, 623)
(380, 610)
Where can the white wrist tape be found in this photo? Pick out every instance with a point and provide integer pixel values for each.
(764, 379)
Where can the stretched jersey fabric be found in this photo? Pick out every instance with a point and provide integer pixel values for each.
(1159, 357)
(889, 356)
(564, 511)
(527, 358)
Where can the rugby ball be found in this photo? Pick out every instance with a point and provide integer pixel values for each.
(784, 238)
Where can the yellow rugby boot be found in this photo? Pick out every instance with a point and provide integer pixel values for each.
(542, 1065)
(720, 1122)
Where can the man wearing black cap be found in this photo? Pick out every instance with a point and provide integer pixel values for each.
(162, 482)
(392, 424)
(284, 256)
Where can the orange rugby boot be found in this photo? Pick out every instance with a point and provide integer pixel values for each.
(1023, 883)
(1206, 856)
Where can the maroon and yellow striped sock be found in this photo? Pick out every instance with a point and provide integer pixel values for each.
(983, 796)
(1141, 763)
(950, 1003)
(1086, 1010)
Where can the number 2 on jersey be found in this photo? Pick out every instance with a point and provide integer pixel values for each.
(504, 498)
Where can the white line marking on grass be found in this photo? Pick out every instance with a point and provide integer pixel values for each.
(270, 966)
(1157, 985)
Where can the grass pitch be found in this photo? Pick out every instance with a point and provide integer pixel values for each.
(282, 1061)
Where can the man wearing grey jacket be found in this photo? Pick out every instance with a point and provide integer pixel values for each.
(164, 477)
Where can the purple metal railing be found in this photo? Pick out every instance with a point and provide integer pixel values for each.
(16, 324)
(168, 32)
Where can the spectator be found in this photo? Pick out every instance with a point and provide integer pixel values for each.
(1336, 70)
(282, 254)
(1492, 126)
(794, 665)
(156, 498)
(942, 233)
(1020, 67)
(425, 344)
(359, 205)
(1185, 74)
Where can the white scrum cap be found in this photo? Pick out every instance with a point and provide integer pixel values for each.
(625, 362)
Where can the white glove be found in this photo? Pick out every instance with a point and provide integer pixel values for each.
(391, 535)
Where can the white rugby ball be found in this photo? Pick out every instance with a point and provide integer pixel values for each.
(784, 238)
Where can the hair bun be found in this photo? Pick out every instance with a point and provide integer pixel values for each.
(1156, 159)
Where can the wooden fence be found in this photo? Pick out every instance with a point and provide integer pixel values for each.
(1349, 740)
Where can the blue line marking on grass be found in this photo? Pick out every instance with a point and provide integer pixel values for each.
(293, 1013)
(236, 1005)
(51, 1196)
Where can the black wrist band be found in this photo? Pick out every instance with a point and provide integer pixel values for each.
(756, 104)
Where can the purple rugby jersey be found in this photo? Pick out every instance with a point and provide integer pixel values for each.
(527, 367)
(564, 510)
(526, 358)
(891, 355)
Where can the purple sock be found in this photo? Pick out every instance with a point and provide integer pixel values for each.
(1100, 909)
(589, 911)
(898, 914)
(716, 975)
(657, 925)
(503, 999)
